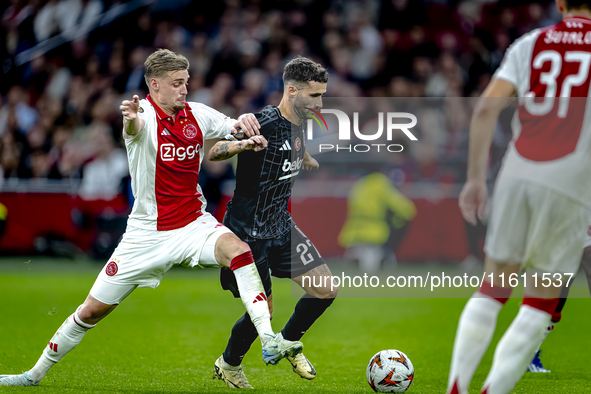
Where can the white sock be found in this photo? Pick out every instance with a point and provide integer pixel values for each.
(475, 330)
(67, 337)
(516, 349)
(547, 331)
(254, 299)
(227, 366)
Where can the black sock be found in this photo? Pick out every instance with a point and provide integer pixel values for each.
(307, 310)
(563, 298)
(243, 335)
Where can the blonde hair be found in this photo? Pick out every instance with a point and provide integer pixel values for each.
(163, 61)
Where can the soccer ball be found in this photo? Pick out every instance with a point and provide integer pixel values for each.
(390, 371)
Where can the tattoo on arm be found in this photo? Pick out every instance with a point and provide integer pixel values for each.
(223, 150)
(220, 151)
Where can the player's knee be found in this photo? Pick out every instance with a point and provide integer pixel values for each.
(92, 313)
(237, 248)
(329, 293)
(228, 248)
(241, 248)
(324, 292)
(240, 251)
(87, 313)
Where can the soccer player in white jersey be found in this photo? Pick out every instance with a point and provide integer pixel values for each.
(541, 200)
(168, 224)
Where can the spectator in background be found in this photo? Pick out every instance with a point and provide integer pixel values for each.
(222, 91)
(254, 84)
(10, 154)
(59, 16)
(103, 175)
(39, 164)
(135, 81)
(237, 50)
(59, 139)
(17, 21)
(18, 108)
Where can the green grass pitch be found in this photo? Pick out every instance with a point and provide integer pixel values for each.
(166, 340)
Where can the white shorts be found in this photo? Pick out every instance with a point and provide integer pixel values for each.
(535, 226)
(144, 256)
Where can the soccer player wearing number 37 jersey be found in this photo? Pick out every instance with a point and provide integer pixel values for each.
(268, 166)
(541, 201)
(168, 224)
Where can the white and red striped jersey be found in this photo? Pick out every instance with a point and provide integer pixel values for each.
(164, 160)
(551, 145)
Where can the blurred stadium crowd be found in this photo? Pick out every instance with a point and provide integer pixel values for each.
(59, 111)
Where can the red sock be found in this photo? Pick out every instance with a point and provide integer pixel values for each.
(454, 389)
(545, 305)
(500, 294)
(241, 260)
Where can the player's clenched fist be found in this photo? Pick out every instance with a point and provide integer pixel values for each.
(256, 143)
(129, 109)
(223, 149)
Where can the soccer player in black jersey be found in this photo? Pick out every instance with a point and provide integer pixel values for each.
(268, 166)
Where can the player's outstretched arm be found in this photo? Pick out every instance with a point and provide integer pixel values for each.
(225, 149)
(495, 98)
(132, 123)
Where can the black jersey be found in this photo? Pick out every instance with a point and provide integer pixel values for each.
(264, 179)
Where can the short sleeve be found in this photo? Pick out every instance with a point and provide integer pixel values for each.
(213, 124)
(509, 68)
(267, 122)
(266, 130)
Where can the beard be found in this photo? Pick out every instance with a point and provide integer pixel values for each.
(305, 113)
(178, 108)
(299, 112)
(299, 109)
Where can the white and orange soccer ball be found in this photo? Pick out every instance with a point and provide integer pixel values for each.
(390, 371)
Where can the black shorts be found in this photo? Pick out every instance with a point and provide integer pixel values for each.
(290, 256)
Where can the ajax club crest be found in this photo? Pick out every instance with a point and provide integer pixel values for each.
(190, 131)
(112, 267)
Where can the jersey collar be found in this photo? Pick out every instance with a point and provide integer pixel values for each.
(578, 18)
(163, 115)
(293, 125)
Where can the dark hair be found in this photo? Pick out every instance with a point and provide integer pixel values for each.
(163, 61)
(570, 4)
(301, 70)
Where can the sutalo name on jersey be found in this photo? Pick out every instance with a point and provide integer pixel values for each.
(564, 37)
